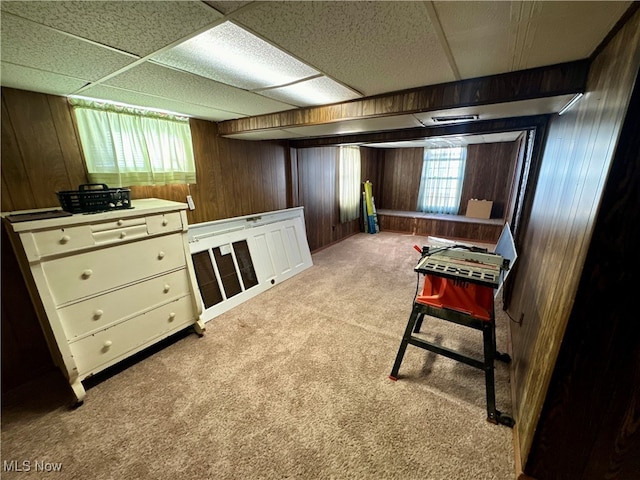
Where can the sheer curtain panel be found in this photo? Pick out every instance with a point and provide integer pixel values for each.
(125, 146)
(441, 181)
(349, 183)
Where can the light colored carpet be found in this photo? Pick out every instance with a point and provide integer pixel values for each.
(291, 384)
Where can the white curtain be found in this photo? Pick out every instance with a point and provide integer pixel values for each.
(125, 146)
(349, 183)
(441, 181)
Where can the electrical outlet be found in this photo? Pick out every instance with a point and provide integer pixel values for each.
(192, 206)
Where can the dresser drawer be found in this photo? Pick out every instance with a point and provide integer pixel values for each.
(60, 240)
(93, 352)
(122, 234)
(89, 273)
(168, 222)
(99, 312)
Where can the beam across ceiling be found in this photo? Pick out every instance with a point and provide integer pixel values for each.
(554, 80)
(472, 128)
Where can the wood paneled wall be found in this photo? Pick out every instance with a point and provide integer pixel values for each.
(40, 150)
(401, 178)
(576, 160)
(488, 175)
(597, 375)
(318, 192)
(418, 225)
(372, 164)
(41, 154)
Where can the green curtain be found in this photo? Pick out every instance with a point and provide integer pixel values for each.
(126, 146)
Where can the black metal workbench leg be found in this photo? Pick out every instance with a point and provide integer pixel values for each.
(489, 376)
(489, 340)
(413, 318)
(418, 325)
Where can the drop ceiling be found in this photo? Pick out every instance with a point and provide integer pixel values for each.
(126, 51)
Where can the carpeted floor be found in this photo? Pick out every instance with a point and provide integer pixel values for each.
(291, 384)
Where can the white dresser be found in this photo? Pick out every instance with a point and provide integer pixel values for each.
(107, 285)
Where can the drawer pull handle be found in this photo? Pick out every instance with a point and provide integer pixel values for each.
(123, 234)
(120, 222)
(165, 222)
(160, 255)
(167, 287)
(97, 314)
(87, 273)
(107, 344)
(172, 317)
(65, 239)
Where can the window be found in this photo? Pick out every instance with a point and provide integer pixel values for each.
(441, 181)
(126, 146)
(349, 183)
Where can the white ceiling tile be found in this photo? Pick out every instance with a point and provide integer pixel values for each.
(150, 101)
(478, 34)
(373, 47)
(478, 54)
(32, 45)
(25, 78)
(180, 86)
(226, 6)
(138, 27)
(565, 31)
(472, 18)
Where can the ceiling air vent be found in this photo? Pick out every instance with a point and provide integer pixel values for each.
(454, 118)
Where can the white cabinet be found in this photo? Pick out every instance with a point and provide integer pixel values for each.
(238, 258)
(107, 285)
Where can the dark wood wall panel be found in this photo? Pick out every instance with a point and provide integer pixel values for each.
(440, 228)
(38, 156)
(25, 354)
(575, 163)
(316, 191)
(597, 375)
(402, 170)
(488, 175)
(372, 163)
(318, 194)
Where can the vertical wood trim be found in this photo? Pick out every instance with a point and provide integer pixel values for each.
(293, 195)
